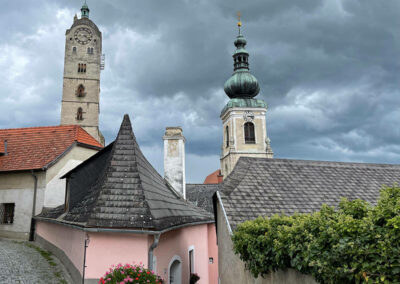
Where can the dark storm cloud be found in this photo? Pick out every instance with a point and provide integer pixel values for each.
(329, 71)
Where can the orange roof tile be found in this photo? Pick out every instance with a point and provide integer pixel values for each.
(36, 147)
(214, 178)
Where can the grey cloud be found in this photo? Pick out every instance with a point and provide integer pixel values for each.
(329, 71)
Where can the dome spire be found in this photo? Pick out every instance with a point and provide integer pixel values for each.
(242, 84)
(85, 10)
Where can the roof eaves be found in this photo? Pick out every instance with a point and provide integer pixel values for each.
(218, 196)
(88, 146)
(45, 167)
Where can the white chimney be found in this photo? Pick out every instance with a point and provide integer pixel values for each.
(174, 159)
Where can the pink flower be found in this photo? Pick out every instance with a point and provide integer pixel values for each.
(122, 272)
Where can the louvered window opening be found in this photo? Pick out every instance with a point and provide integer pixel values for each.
(249, 135)
(7, 213)
(81, 68)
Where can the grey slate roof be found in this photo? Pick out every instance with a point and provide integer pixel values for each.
(118, 188)
(263, 187)
(202, 195)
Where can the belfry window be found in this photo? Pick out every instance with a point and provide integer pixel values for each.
(80, 92)
(227, 136)
(249, 135)
(90, 50)
(79, 114)
(81, 68)
(74, 49)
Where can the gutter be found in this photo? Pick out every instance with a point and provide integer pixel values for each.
(32, 230)
(151, 249)
(126, 231)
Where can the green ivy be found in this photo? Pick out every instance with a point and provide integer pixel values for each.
(355, 243)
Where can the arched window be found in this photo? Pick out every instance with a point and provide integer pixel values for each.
(88, 50)
(80, 92)
(175, 270)
(79, 114)
(74, 49)
(249, 136)
(227, 136)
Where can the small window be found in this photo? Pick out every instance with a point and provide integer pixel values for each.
(74, 49)
(7, 213)
(227, 136)
(249, 136)
(80, 91)
(79, 114)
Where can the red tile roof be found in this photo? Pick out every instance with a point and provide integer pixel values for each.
(36, 147)
(214, 178)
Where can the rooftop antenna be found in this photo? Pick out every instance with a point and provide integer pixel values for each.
(239, 24)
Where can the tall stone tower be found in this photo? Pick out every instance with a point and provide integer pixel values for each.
(243, 118)
(82, 66)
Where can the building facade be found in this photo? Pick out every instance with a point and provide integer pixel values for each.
(118, 201)
(83, 63)
(243, 118)
(31, 164)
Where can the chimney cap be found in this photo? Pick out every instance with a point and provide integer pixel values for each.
(173, 131)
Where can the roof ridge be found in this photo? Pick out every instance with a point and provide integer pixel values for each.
(33, 127)
(323, 163)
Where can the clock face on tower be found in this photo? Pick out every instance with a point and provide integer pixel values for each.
(83, 35)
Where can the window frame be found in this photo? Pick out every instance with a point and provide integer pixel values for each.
(11, 213)
(227, 136)
(249, 139)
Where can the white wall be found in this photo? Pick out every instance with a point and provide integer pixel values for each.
(23, 199)
(55, 187)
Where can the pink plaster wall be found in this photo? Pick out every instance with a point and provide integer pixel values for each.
(69, 240)
(177, 242)
(107, 249)
(212, 252)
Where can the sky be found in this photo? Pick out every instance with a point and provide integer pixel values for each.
(328, 70)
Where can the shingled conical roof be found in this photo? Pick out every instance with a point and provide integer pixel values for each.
(125, 191)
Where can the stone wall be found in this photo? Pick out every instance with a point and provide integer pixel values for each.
(76, 53)
(232, 269)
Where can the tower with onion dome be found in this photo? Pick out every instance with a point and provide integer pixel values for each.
(243, 117)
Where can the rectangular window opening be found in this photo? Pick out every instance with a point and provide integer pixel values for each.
(191, 262)
(7, 213)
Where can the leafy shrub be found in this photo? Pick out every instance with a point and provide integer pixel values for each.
(130, 274)
(355, 243)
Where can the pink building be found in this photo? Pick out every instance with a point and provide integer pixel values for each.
(118, 209)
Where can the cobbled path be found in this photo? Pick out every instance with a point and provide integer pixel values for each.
(22, 264)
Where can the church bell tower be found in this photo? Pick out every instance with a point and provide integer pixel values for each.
(243, 118)
(81, 82)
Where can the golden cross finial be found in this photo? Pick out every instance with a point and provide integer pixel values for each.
(239, 22)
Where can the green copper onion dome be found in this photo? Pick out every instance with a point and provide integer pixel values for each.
(242, 84)
(85, 11)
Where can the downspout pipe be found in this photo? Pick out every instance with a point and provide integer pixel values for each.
(32, 230)
(151, 251)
